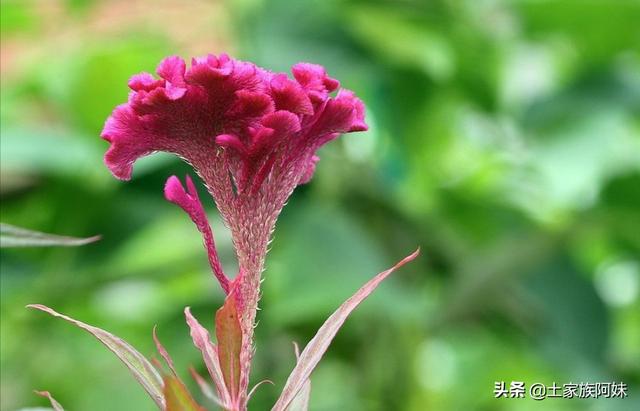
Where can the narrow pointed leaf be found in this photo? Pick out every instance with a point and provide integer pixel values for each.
(229, 337)
(316, 348)
(11, 236)
(178, 397)
(205, 388)
(189, 201)
(55, 404)
(202, 341)
(139, 366)
(164, 353)
(258, 385)
(301, 400)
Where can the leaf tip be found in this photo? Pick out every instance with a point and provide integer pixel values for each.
(296, 350)
(408, 258)
(94, 238)
(46, 394)
(414, 254)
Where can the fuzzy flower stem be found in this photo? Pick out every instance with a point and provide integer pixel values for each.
(251, 232)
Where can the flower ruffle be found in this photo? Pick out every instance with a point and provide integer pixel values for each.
(228, 113)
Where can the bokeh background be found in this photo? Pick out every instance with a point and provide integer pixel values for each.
(505, 141)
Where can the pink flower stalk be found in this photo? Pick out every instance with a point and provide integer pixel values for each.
(251, 135)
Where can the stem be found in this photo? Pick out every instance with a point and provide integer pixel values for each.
(251, 216)
(251, 238)
(250, 288)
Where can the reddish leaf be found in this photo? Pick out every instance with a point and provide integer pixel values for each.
(205, 388)
(164, 353)
(55, 404)
(177, 396)
(139, 366)
(201, 340)
(316, 348)
(229, 337)
(301, 401)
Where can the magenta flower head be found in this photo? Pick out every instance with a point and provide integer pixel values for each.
(251, 135)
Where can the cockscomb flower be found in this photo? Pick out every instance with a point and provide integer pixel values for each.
(249, 133)
(252, 136)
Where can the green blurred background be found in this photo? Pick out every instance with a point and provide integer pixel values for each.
(505, 141)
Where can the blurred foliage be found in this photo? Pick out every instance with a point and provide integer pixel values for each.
(505, 140)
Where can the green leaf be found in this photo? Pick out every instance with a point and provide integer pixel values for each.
(139, 366)
(318, 345)
(11, 236)
(329, 257)
(229, 337)
(421, 46)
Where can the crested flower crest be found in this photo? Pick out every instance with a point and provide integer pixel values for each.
(246, 130)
